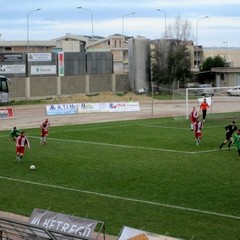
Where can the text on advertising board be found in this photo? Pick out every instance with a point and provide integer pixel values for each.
(62, 223)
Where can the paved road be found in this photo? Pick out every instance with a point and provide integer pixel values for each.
(31, 116)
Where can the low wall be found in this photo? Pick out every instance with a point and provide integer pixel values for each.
(45, 87)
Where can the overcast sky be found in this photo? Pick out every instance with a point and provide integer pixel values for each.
(58, 17)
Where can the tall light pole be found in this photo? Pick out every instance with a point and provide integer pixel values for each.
(123, 38)
(165, 18)
(123, 17)
(225, 50)
(28, 14)
(197, 62)
(91, 13)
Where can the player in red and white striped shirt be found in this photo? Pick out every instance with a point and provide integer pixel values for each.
(21, 142)
(44, 131)
(197, 126)
(193, 116)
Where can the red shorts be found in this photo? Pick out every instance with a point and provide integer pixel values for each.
(198, 134)
(44, 133)
(20, 150)
(193, 120)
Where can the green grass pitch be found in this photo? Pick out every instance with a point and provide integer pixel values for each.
(146, 174)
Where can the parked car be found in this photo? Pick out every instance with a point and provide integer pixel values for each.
(234, 91)
(205, 90)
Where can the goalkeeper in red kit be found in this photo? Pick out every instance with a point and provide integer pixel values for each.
(45, 125)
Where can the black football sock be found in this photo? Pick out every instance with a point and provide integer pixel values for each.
(221, 145)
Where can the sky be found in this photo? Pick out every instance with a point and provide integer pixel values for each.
(221, 28)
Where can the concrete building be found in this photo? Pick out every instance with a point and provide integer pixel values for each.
(232, 55)
(24, 46)
(70, 43)
(139, 64)
(225, 77)
(196, 54)
(118, 45)
(122, 51)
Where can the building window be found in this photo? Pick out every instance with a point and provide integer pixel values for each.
(115, 43)
(109, 43)
(120, 44)
(222, 77)
(8, 49)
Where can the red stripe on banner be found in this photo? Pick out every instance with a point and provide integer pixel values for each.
(6, 113)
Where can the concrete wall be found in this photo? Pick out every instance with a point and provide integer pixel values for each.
(17, 89)
(231, 79)
(44, 87)
(100, 83)
(73, 85)
(139, 63)
(122, 83)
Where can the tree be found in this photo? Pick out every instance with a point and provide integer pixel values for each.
(159, 62)
(171, 61)
(205, 73)
(180, 29)
(179, 64)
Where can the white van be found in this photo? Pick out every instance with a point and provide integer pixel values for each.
(234, 91)
(205, 90)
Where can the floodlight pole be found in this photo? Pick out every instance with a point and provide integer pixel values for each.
(91, 13)
(123, 37)
(28, 14)
(197, 63)
(165, 18)
(123, 17)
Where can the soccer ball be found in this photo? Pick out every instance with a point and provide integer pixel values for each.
(32, 167)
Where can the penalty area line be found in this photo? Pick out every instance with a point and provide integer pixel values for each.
(123, 198)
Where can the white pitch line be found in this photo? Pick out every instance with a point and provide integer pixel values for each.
(129, 146)
(160, 126)
(123, 198)
(4, 136)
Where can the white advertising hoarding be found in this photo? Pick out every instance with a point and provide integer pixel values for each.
(62, 109)
(39, 57)
(74, 108)
(109, 107)
(17, 68)
(43, 69)
(62, 223)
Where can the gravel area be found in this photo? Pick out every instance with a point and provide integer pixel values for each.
(30, 116)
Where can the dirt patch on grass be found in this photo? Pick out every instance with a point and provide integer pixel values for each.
(102, 97)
